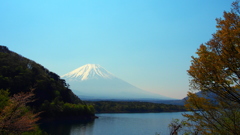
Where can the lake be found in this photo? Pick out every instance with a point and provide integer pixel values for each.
(117, 124)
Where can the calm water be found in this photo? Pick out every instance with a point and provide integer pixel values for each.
(117, 124)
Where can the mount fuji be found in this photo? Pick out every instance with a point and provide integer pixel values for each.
(92, 81)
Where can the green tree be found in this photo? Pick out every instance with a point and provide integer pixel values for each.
(215, 72)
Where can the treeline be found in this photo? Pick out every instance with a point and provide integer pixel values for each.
(63, 110)
(133, 107)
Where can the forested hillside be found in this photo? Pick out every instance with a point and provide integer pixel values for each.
(133, 107)
(52, 97)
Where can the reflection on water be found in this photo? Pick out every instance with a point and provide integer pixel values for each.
(116, 124)
(68, 128)
(82, 129)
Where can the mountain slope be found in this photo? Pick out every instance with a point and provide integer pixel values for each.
(93, 81)
(53, 97)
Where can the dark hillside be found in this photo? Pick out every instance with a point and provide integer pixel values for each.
(53, 97)
(133, 107)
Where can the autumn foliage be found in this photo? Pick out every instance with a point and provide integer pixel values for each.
(15, 116)
(215, 73)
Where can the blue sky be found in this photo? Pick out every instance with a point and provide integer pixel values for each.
(148, 43)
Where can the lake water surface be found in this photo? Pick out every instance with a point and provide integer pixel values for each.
(117, 124)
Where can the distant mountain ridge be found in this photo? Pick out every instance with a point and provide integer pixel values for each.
(93, 81)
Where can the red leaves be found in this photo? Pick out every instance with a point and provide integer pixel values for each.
(15, 117)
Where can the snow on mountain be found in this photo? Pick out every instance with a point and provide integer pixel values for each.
(92, 80)
(88, 71)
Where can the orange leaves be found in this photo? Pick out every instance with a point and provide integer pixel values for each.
(195, 102)
(216, 70)
(218, 63)
(15, 116)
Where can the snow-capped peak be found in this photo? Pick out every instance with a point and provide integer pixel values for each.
(88, 71)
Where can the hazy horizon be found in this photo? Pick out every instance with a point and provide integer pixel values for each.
(146, 43)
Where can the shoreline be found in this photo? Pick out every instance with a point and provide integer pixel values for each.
(143, 112)
(68, 119)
